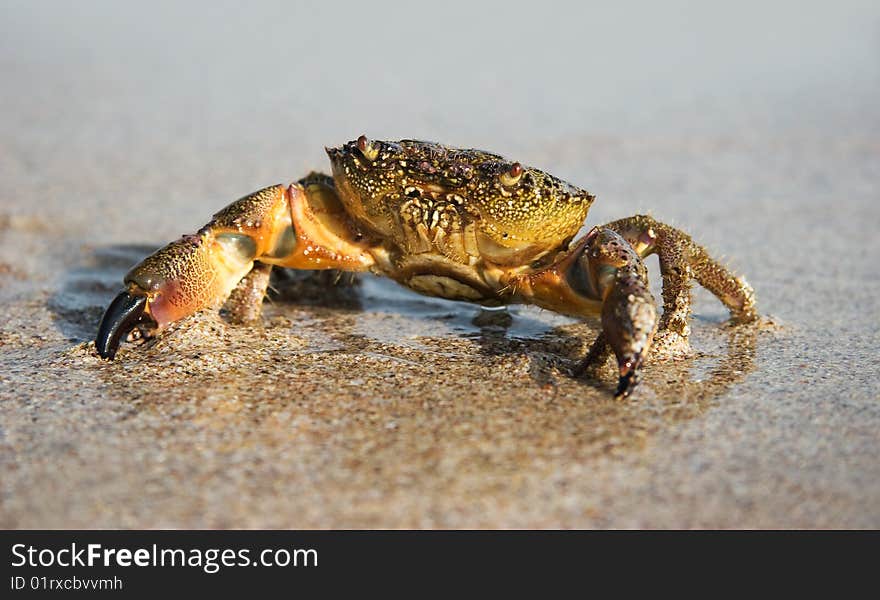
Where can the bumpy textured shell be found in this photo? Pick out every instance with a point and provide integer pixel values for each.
(460, 202)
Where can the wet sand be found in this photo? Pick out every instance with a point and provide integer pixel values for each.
(359, 404)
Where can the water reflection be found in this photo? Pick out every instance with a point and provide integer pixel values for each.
(725, 356)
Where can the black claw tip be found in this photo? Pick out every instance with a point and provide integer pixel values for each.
(626, 384)
(629, 376)
(122, 315)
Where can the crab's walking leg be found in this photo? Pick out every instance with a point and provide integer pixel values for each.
(300, 226)
(681, 259)
(246, 300)
(601, 274)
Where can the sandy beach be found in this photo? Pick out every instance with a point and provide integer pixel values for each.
(358, 404)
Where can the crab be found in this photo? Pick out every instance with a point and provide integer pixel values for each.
(460, 224)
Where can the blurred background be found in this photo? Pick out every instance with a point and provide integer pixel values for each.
(753, 125)
(225, 97)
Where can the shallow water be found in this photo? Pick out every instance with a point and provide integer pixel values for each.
(365, 405)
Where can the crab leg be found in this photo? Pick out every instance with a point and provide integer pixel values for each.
(602, 274)
(299, 226)
(246, 300)
(681, 260)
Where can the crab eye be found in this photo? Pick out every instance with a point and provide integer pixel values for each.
(512, 176)
(367, 148)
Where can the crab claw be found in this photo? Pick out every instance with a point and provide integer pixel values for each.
(187, 275)
(126, 311)
(629, 313)
(629, 319)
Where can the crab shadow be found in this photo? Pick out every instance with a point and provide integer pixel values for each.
(726, 356)
(86, 291)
